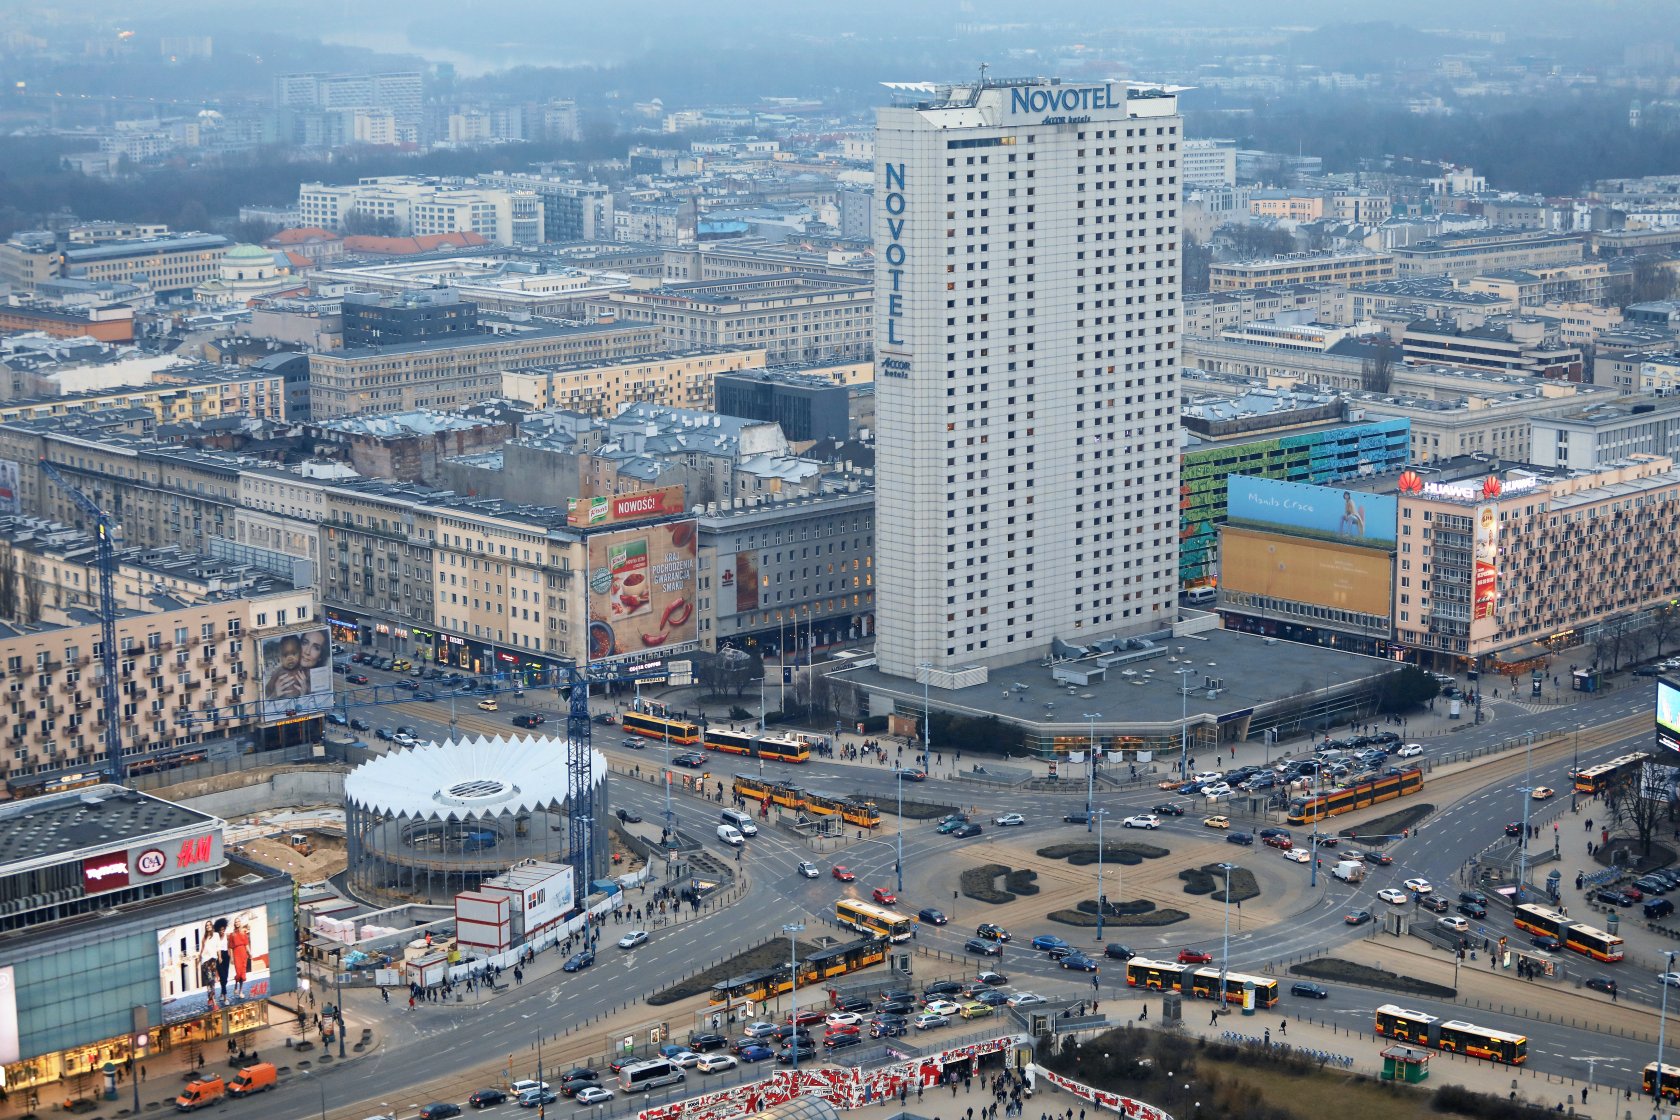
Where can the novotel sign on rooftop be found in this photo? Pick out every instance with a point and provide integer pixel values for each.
(1065, 99)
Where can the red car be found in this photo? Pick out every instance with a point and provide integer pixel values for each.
(1194, 956)
(806, 1018)
(1282, 843)
(842, 874)
(884, 896)
(356, 678)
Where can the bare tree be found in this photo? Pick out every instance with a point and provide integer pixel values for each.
(8, 584)
(33, 589)
(1636, 815)
(1664, 622)
(1636, 644)
(1376, 371)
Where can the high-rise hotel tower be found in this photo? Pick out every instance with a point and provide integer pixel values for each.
(1026, 331)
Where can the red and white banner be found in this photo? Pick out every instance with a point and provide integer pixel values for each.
(843, 1088)
(1129, 1107)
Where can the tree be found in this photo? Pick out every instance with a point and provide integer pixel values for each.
(1634, 813)
(1410, 688)
(8, 584)
(1664, 621)
(1197, 258)
(1249, 241)
(372, 225)
(1376, 369)
(32, 597)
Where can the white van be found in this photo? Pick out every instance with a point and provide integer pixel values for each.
(1200, 596)
(639, 1077)
(731, 835)
(743, 822)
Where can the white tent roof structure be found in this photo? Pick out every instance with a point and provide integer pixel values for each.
(468, 778)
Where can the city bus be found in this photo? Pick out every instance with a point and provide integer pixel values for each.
(1580, 937)
(866, 917)
(729, 742)
(1306, 810)
(660, 727)
(1453, 1035)
(784, 748)
(1670, 1081)
(1204, 984)
(1154, 976)
(1598, 778)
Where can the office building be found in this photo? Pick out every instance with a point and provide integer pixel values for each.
(1506, 344)
(1474, 252)
(1209, 163)
(1026, 325)
(420, 207)
(1596, 433)
(1357, 267)
(398, 92)
(572, 210)
(602, 386)
(450, 372)
(794, 317)
(375, 319)
(807, 406)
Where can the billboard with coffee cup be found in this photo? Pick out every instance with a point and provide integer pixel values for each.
(641, 591)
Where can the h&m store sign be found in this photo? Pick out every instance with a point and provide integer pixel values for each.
(116, 870)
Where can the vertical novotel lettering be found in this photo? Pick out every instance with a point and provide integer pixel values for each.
(895, 254)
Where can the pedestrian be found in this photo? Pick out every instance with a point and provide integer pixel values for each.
(1213, 1018)
(1144, 1017)
(142, 1075)
(1283, 1027)
(385, 994)
(1268, 1036)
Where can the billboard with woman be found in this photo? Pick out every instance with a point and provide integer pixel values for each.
(297, 676)
(211, 965)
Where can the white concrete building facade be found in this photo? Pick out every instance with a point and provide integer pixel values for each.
(1026, 325)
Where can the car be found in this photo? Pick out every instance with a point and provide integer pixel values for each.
(1514, 828)
(629, 816)
(425, 695)
(338, 720)
(634, 743)
(1418, 886)
(1396, 897)
(1669, 979)
(839, 1019)
(1194, 956)
(1216, 789)
(838, 1041)
(1381, 859)
(753, 1052)
(942, 988)
(1650, 884)
(1268, 833)
(1168, 809)
(992, 997)
(1025, 999)
(1046, 941)
(1283, 843)
(1613, 896)
(911, 774)
(974, 1009)
(1659, 908)
(1357, 917)
(896, 1008)
(1434, 902)
(931, 916)
(1079, 962)
(1453, 922)
(1116, 951)
(887, 1028)
(359, 724)
(1010, 820)
(1246, 839)
(632, 939)
(760, 1028)
(1297, 855)
(356, 678)
(409, 686)
(991, 931)
(806, 1017)
(789, 1054)
(943, 1006)
(1472, 909)
(536, 1098)
(964, 831)
(1078, 816)
(439, 1110)
(1306, 989)
(1545, 941)
(594, 1094)
(842, 873)
(1543, 793)
(528, 719)
(527, 1084)
(884, 896)
(927, 1020)
(579, 961)
(1410, 750)
(808, 869)
(484, 1098)
(1216, 822)
(1142, 820)
(693, 760)
(715, 1063)
(488, 704)
(1602, 984)
(1324, 839)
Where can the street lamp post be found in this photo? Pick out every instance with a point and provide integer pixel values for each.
(666, 777)
(898, 862)
(1101, 904)
(1528, 799)
(321, 1085)
(927, 720)
(1090, 788)
(1225, 953)
(1184, 672)
(338, 978)
(1662, 1028)
(793, 930)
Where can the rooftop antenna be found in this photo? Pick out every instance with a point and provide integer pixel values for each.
(983, 68)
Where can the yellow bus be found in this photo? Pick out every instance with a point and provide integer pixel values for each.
(866, 917)
(729, 742)
(1204, 984)
(1670, 1081)
(659, 727)
(1598, 778)
(1154, 976)
(1582, 938)
(1454, 1035)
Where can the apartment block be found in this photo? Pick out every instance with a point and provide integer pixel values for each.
(419, 207)
(1530, 287)
(1301, 268)
(1599, 432)
(681, 378)
(450, 372)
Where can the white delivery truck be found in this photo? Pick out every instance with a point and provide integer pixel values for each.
(1349, 871)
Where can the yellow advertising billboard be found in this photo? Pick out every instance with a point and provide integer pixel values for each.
(1299, 570)
(641, 590)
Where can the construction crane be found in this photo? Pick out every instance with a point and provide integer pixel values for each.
(103, 531)
(567, 680)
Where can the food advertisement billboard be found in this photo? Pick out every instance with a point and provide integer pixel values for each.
(1486, 593)
(1326, 513)
(615, 509)
(1334, 576)
(641, 590)
(214, 964)
(297, 676)
(1668, 714)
